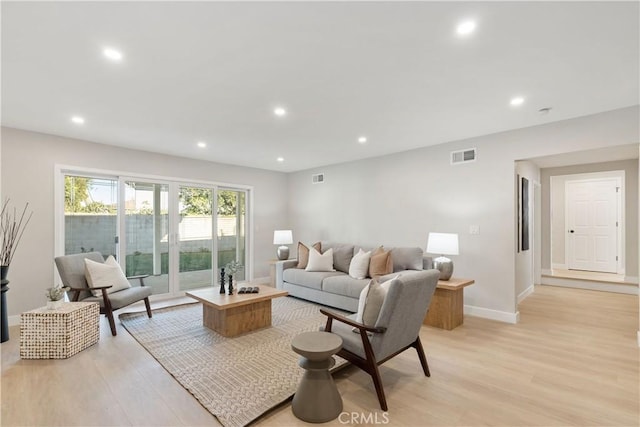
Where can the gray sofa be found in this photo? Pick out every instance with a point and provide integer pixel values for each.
(337, 288)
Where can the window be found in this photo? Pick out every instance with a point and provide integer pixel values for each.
(90, 215)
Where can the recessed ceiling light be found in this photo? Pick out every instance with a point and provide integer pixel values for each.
(279, 111)
(362, 139)
(112, 54)
(518, 100)
(202, 144)
(77, 120)
(280, 159)
(465, 28)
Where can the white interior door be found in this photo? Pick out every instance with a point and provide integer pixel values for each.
(592, 221)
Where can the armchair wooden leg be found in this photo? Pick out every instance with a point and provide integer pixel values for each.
(423, 359)
(377, 382)
(148, 306)
(327, 327)
(372, 368)
(112, 323)
(108, 311)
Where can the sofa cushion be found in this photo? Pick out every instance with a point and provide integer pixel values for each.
(308, 279)
(303, 253)
(106, 273)
(342, 254)
(124, 297)
(359, 267)
(320, 262)
(371, 300)
(406, 259)
(380, 263)
(344, 285)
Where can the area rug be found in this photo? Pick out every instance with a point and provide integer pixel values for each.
(236, 379)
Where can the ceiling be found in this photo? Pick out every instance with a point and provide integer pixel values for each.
(396, 73)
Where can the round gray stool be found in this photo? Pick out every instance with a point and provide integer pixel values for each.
(317, 399)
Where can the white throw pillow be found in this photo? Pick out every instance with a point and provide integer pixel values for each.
(108, 273)
(370, 302)
(320, 262)
(359, 267)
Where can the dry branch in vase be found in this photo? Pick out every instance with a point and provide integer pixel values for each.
(12, 226)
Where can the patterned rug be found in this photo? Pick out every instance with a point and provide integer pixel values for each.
(236, 379)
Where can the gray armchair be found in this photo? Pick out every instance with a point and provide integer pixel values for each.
(71, 269)
(397, 328)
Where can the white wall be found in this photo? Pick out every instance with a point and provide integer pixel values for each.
(27, 172)
(524, 259)
(397, 199)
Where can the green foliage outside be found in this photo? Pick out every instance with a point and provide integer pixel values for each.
(197, 201)
(227, 202)
(77, 197)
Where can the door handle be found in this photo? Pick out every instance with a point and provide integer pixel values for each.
(571, 231)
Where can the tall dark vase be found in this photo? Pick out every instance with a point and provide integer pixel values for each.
(4, 327)
(222, 281)
(230, 284)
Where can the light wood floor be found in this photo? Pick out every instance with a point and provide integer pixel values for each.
(571, 361)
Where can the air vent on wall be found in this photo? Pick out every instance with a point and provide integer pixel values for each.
(317, 178)
(463, 156)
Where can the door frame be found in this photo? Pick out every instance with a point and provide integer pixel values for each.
(620, 211)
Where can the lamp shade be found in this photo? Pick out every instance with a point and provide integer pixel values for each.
(282, 237)
(443, 243)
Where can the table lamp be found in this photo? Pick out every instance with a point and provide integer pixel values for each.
(443, 244)
(283, 237)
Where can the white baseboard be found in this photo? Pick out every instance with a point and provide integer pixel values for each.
(525, 294)
(486, 313)
(559, 266)
(594, 286)
(631, 279)
(546, 271)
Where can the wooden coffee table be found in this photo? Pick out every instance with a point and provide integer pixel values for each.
(232, 315)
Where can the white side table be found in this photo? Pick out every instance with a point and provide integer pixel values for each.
(317, 399)
(59, 333)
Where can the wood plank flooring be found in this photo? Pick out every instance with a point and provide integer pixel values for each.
(571, 361)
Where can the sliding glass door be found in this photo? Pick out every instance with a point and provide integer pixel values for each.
(146, 232)
(163, 229)
(231, 227)
(195, 237)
